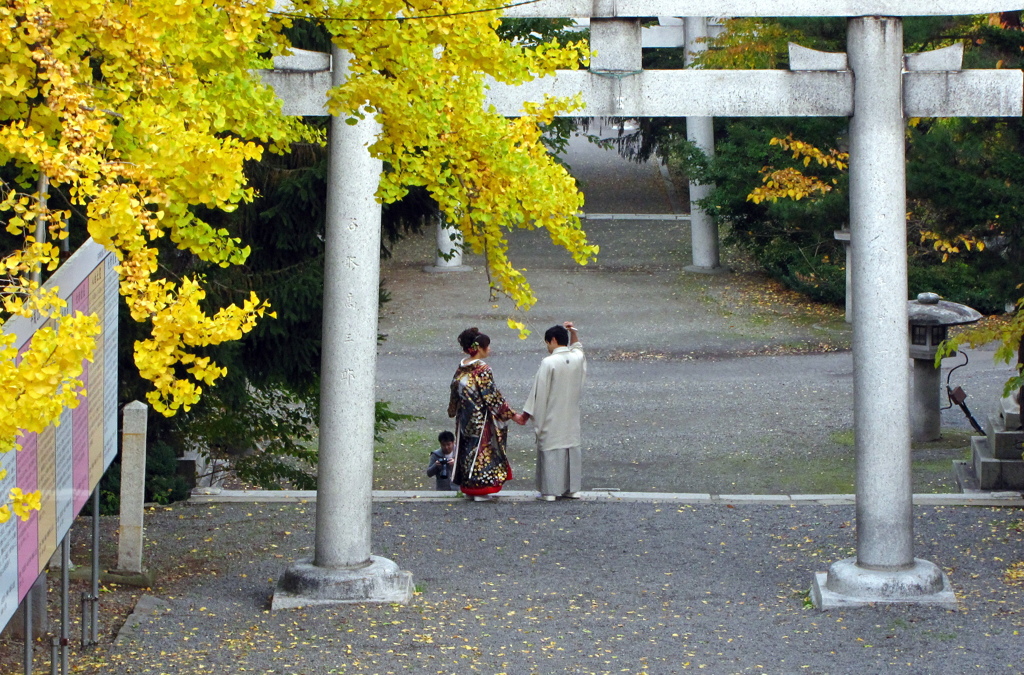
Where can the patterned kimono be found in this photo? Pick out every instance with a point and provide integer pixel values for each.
(480, 413)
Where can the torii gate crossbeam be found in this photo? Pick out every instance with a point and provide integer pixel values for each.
(581, 9)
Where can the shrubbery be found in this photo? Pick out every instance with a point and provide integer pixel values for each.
(964, 197)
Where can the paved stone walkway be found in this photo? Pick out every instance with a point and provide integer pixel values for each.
(652, 586)
(696, 413)
(1010, 498)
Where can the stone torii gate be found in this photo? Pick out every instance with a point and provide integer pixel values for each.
(874, 84)
(690, 34)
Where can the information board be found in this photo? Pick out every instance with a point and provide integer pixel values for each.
(66, 462)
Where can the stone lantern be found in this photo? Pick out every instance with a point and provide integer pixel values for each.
(930, 318)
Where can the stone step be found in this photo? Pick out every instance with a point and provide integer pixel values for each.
(992, 472)
(1003, 444)
(1009, 410)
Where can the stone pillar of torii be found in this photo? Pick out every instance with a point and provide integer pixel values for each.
(875, 85)
(701, 132)
(448, 256)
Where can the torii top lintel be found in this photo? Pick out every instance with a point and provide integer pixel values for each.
(579, 9)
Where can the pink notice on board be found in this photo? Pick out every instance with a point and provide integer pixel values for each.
(56, 461)
(80, 418)
(28, 531)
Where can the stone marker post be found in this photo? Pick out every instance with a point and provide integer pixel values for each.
(133, 487)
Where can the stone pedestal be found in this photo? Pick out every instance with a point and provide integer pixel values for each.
(925, 409)
(304, 584)
(1009, 410)
(996, 462)
(848, 584)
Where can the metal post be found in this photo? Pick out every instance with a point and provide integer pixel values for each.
(95, 621)
(86, 615)
(90, 601)
(44, 190)
(29, 599)
(65, 243)
(65, 601)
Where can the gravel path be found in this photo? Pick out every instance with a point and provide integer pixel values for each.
(696, 383)
(538, 588)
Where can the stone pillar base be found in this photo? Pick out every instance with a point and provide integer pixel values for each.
(304, 584)
(847, 585)
(447, 268)
(696, 269)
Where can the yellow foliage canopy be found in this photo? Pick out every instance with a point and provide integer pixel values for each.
(134, 112)
(424, 79)
(137, 111)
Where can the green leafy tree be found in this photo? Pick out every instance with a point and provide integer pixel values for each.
(963, 186)
(792, 239)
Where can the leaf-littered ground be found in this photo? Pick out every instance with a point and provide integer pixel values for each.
(568, 587)
(720, 384)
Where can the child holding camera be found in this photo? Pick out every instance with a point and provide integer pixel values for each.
(442, 461)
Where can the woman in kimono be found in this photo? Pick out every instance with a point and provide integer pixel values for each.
(481, 414)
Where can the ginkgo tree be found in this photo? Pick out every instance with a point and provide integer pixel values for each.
(131, 114)
(423, 78)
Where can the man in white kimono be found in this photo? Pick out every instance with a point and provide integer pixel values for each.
(554, 405)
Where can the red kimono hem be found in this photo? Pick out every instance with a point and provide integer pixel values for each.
(480, 491)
